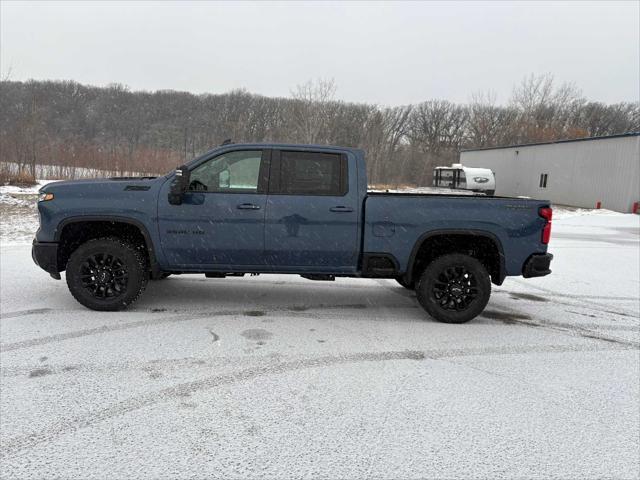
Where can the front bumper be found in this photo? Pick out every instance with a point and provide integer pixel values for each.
(45, 255)
(537, 265)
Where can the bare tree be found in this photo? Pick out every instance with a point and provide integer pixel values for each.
(437, 129)
(312, 108)
(6, 76)
(385, 132)
(489, 124)
(544, 110)
(597, 119)
(67, 125)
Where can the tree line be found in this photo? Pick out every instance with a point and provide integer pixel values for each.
(70, 126)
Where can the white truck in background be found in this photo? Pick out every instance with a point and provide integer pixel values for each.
(457, 176)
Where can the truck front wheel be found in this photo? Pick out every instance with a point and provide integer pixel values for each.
(107, 274)
(454, 288)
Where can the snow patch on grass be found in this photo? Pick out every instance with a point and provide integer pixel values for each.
(19, 213)
(569, 212)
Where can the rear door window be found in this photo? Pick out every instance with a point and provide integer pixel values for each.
(312, 173)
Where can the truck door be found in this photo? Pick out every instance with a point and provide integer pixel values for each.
(221, 219)
(312, 212)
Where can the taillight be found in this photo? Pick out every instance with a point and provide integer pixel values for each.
(546, 213)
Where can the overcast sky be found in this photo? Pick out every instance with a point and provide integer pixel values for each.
(382, 53)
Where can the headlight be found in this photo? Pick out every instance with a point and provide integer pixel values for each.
(480, 179)
(45, 197)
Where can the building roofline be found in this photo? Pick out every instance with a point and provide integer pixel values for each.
(628, 134)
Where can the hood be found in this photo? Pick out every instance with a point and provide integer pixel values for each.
(112, 184)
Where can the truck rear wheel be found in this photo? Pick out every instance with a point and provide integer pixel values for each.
(107, 274)
(454, 288)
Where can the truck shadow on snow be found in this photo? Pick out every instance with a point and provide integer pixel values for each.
(186, 294)
(273, 297)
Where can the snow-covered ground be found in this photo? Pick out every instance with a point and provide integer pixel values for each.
(19, 213)
(281, 377)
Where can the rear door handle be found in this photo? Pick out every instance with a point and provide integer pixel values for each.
(248, 206)
(341, 209)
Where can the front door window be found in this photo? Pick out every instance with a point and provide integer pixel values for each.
(230, 172)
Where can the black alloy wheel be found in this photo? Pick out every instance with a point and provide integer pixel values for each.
(454, 288)
(107, 274)
(104, 275)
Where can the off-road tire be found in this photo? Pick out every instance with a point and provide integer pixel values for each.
(454, 288)
(112, 258)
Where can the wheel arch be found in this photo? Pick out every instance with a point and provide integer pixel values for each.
(114, 220)
(499, 272)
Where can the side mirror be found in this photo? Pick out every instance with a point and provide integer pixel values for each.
(179, 185)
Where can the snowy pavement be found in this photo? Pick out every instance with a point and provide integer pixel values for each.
(281, 377)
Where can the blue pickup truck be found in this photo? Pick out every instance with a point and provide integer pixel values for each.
(275, 208)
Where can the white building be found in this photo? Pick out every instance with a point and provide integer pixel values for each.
(578, 173)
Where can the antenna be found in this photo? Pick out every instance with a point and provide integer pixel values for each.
(226, 142)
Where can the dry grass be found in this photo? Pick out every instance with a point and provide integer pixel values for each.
(19, 179)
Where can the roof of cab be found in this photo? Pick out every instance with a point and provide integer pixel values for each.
(358, 153)
(286, 146)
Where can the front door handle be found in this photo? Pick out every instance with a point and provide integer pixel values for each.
(341, 209)
(248, 206)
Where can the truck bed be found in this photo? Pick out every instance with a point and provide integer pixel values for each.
(395, 222)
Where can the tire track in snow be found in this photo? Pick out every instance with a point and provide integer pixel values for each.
(581, 330)
(297, 310)
(8, 347)
(512, 317)
(579, 302)
(67, 426)
(567, 295)
(220, 362)
(22, 313)
(70, 425)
